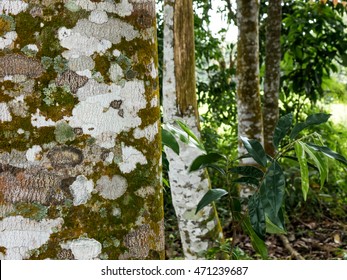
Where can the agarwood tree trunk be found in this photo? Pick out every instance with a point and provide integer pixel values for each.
(201, 231)
(80, 148)
(272, 72)
(249, 111)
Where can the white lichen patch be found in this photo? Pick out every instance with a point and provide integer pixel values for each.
(98, 17)
(83, 248)
(13, 7)
(111, 188)
(37, 120)
(81, 63)
(130, 158)
(117, 212)
(149, 132)
(105, 120)
(145, 191)
(81, 190)
(5, 115)
(7, 39)
(20, 235)
(116, 73)
(34, 153)
(154, 102)
(124, 8)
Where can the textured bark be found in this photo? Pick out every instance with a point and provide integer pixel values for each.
(249, 111)
(198, 232)
(80, 149)
(272, 72)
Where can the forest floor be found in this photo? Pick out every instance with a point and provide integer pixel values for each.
(323, 238)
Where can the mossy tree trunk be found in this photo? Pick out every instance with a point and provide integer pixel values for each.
(272, 72)
(201, 231)
(249, 111)
(80, 149)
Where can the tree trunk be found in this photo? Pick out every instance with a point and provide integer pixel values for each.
(198, 232)
(80, 149)
(272, 72)
(249, 112)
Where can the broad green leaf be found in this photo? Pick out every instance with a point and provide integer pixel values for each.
(272, 227)
(203, 160)
(211, 196)
(216, 167)
(310, 120)
(282, 128)
(328, 152)
(257, 215)
(170, 141)
(250, 171)
(317, 118)
(300, 153)
(247, 180)
(257, 243)
(256, 150)
(319, 161)
(272, 192)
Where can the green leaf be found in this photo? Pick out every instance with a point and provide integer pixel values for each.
(257, 215)
(169, 140)
(203, 160)
(314, 119)
(211, 196)
(165, 182)
(256, 150)
(282, 128)
(319, 161)
(257, 243)
(272, 227)
(272, 192)
(300, 153)
(216, 167)
(250, 171)
(185, 128)
(247, 180)
(328, 152)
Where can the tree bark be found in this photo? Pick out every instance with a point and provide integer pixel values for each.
(80, 150)
(272, 73)
(198, 232)
(249, 111)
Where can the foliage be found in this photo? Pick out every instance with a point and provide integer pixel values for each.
(266, 206)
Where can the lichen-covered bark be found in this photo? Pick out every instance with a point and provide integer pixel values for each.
(198, 232)
(272, 72)
(249, 111)
(80, 148)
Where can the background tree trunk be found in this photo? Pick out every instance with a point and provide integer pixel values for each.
(80, 149)
(198, 232)
(249, 111)
(272, 72)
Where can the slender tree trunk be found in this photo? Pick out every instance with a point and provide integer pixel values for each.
(272, 72)
(198, 232)
(80, 149)
(249, 112)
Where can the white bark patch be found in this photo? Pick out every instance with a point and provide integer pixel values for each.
(145, 191)
(149, 132)
(5, 115)
(33, 154)
(81, 190)
(20, 235)
(81, 63)
(98, 17)
(97, 97)
(111, 188)
(37, 120)
(124, 8)
(83, 248)
(169, 79)
(12, 7)
(131, 157)
(7, 39)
